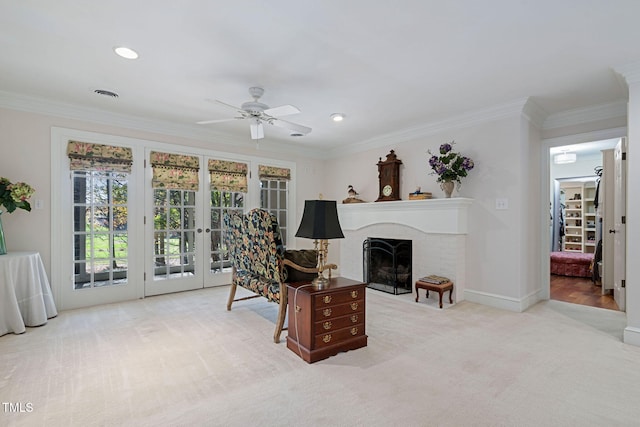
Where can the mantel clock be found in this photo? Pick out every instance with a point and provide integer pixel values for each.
(389, 178)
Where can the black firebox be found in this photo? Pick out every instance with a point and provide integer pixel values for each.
(387, 265)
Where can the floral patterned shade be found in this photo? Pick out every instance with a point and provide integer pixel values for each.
(275, 173)
(99, 157)
(228, 176)
(175, 171)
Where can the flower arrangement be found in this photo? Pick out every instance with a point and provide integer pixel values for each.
(14, 196)
(449, 165)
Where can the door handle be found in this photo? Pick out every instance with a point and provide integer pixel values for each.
(612, 231)
(207, 230)
(199, 230)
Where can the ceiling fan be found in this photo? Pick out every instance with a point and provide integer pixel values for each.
(257, 113)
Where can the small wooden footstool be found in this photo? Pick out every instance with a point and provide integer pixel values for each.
(440, 289)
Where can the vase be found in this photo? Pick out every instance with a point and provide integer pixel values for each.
(447, 187)
(3, 247)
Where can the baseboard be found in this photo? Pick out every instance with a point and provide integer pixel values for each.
(502, 302)
(631, 336)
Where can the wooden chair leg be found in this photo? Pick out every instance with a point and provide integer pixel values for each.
(282, 313)
(232, 295)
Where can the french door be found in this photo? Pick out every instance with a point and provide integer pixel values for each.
(183, 236)
(117, 235)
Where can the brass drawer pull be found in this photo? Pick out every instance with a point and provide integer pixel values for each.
(354, 318)
(327, 299)
(354, 331)
(354, 294)
(326, 338)
(354, 306)
(326, 312)
(326, 325)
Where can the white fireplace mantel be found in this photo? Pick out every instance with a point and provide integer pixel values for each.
(440, 216)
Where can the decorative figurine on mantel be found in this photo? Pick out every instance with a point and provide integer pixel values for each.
(352, 196)
(419, 195)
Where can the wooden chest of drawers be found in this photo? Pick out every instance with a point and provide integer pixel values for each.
(324, 322)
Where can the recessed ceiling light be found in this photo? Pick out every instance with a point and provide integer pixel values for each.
(125, 52)
(337, 117)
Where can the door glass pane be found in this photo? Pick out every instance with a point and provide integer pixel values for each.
(174, 235)
(222, 201)
(274, 197)
(100, 216)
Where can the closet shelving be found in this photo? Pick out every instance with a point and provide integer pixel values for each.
(579, 216)
(589, 214)
(573, 232)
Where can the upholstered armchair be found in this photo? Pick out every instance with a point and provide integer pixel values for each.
(260, 263)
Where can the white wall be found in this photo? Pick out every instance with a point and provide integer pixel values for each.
(501, 270)
(584, 166)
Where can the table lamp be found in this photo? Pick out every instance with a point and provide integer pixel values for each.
(320, 222)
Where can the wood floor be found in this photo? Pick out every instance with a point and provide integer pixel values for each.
(578, 290)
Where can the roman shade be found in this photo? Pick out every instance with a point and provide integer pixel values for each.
(175, 171)
(228, 176)
(87, 156)
(274, 173)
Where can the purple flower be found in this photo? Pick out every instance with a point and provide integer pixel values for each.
(445, 148)
(449, 165)
(467, 163)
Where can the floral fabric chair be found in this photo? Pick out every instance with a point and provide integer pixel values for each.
(258, 259)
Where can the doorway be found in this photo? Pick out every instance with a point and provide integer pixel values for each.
(576, 224)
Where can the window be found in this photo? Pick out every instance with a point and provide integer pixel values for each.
(174, 233)
(221, 202)
(100, 176)
(100, 218)
(274, 195)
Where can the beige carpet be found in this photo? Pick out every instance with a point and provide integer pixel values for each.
(182, 359)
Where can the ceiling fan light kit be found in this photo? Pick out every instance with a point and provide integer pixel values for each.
(258, 113)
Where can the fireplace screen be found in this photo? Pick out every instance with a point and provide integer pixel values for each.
(387, 265)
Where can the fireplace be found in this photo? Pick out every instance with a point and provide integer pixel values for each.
(437, 229)
(387, 265)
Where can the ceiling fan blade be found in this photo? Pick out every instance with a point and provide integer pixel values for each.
(206, 122)
(257, 130)
(291, 126)
(238, 109)
(283, 110)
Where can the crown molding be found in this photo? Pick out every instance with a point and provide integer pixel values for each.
(534, 113)
(590, 114)
(630, 72)
(49, 107)
(468, 119)
(599, 135)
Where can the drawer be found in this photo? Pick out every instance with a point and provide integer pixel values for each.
(338, 297)
(326, 313)
(333, 324)
(338, 336)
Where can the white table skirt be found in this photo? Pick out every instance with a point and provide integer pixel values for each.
(25, 294)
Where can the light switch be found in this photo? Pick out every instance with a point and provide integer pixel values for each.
(39, 204)
(502, 204)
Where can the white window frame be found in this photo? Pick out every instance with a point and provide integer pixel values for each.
(139, 187)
